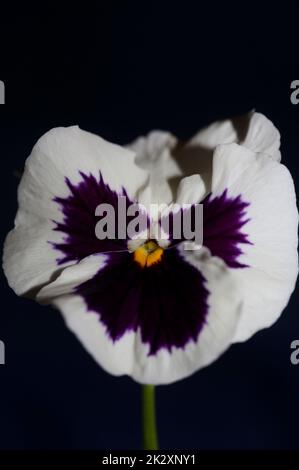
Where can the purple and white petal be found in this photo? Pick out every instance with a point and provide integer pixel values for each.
(266, 260)
(215, 336)
(157, 325)
(153, 310)
(30, 260)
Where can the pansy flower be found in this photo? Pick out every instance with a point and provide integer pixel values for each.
(148, 307)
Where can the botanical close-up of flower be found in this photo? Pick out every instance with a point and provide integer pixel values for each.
(149, 296)
(149, 308)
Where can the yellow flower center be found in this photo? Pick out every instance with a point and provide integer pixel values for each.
(148, 254)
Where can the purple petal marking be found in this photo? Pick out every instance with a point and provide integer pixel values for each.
(167, 301)
(80, 220)
(224, 218)
(223, 224)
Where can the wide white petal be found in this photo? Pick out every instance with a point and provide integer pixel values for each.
(29, 259)
(129, 355)
(266, 285)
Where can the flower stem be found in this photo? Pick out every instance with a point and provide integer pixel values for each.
(149, 427)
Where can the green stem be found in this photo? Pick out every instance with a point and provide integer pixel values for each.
(149, 427)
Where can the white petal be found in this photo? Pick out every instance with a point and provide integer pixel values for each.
(191, 190)
(155, 149)
(266, 285)
(71, 277)
(29, 259)
(155, 192)
(219, 132)
(117, 357)
(263, 137)
(154, 154)
(254, 130)
(130, 356)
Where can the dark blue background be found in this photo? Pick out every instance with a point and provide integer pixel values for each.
(121, 71)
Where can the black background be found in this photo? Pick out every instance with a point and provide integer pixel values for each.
(120, 71)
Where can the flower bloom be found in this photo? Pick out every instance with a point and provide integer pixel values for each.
(150, 308)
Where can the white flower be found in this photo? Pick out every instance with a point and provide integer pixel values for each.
(158, 313)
